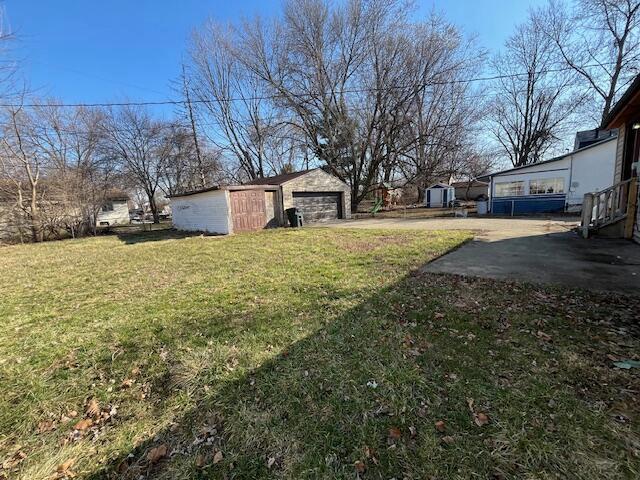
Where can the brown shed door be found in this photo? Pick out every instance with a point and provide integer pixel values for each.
(247, 210)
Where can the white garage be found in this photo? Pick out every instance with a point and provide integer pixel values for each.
(262, 203)
(226, 210)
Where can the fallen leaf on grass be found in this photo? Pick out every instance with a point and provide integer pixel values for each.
(440, 426)
(360, 467)
(46, 426)
(217, 457)
(470, 403)
(200, 461)
(480, 419)
(438, 316)
(93, 408)
(13, 461)
(83, 424)
(126, 383)
(447, 439)
(394, 433)
(544, 336)
(64, 470)
(370, 454)
(270, 462)
(413, 431)
(158, 453)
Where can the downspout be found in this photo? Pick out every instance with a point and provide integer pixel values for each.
(566, 201)
(491, 187)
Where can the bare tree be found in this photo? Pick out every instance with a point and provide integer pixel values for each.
(444, 115)
(534, 98)
(339, 84)
(233, 101)
(78, 176)
(348, 76)
(23, 164)
(135, 141)
(188, 164)
(600, 41)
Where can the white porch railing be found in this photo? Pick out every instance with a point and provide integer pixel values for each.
(603, 208)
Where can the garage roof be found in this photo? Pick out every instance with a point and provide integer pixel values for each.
(279, 179)
(225, 187)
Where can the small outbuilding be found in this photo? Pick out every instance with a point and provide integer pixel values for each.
(262, 203)
(439, 195)
(555, 185)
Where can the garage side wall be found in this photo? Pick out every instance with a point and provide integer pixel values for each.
(317, 181)
(202, 212)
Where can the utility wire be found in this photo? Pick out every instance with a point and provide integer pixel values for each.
(276, 118)
(280, 96)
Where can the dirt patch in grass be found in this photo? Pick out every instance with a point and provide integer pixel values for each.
(369, 244)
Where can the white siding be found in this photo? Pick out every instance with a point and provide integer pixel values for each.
(436, 197)
(203, 212)
(558, 169)
(118, 216)
(589, 170)
(622, 134)
(593, 170)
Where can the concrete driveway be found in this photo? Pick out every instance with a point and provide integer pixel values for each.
(539, 250)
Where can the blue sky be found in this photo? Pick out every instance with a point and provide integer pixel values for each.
(100, 51)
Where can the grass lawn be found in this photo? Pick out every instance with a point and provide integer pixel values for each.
(315, 353)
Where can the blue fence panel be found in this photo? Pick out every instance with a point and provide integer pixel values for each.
(528, 205)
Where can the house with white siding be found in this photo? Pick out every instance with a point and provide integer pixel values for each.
(555, 185)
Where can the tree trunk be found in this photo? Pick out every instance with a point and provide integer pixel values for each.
(154, 208)
(36, 230)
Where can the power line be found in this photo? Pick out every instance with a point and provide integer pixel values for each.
(300, 95)
(173, 124)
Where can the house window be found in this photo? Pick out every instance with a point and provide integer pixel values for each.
(546, 186)
(509, 189)
(107, 207)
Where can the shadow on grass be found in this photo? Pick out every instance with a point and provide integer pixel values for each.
(368, 387)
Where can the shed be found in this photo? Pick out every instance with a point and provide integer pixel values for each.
(318, 194)
(554, 185)
(261, 203)
(439, 195)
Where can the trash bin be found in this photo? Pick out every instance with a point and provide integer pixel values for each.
(482, 205)
(295, 217)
